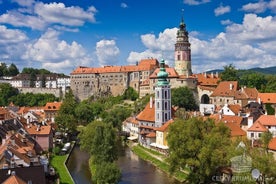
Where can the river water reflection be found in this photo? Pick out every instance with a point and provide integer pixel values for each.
(134, 170)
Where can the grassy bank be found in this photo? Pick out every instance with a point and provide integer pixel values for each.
(58, 162)
(152, 156)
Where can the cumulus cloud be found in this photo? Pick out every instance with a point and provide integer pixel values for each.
(260, 6)
(18, 19)
(60, 58)
(12, 44)
(124, 5)
(26, 3)
(246, 45)
(196, 2)
(58, 13)
(222, 10)
(40, 16)
(157, 47)
(107, 52)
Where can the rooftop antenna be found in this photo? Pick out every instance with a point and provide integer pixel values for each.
(182, 14)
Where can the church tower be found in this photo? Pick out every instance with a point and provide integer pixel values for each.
(182, 51)
(162, 97)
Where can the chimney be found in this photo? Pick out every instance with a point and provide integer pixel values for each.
(249, 121)
(151, 102)
(217, 74)
(259, 100)
(212, 75)
(231, 86)
(205, 74)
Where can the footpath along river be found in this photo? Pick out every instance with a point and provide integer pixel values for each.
(134, 170)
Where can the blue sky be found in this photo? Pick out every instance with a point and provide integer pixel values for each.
(62, 35)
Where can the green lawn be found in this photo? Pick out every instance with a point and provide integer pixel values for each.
(163, 165)
(58, 162)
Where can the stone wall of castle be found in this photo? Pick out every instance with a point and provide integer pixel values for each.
(55, 91)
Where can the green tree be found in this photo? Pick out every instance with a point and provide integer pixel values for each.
(270, 86)
(253, 80)
(66, 118)
(116, 116)
(265, 139)
(199, 145)
(99, 139)
(106, 172)
(12, 70)
(229, 73)
(183, 98)
(3, 69)
(6, 92)
(130, 94)
(84, 113)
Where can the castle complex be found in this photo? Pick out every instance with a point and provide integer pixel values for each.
(87, 81)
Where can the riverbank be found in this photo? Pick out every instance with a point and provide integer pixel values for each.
(158, 160)
(59, 163)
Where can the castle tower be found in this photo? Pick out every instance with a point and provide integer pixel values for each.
(162, 97)
(182, 51)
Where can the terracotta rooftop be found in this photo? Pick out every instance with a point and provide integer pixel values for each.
(204, 79)
(272, 144)
(13, 179)
(52, 106)
(236, 108)
(165, 126)
(267, 97)
(151, 135)
(171, 73)
(257, 127)
(235, 129)
(227, 118)
(145, 64)
(267, 120)
(226, 89)
(147, 114)
(42, 130)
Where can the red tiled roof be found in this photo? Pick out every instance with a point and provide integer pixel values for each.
(43, 130)
(147, 114)
(235, 129)
(257, 127)
(52, 106)
(13, 179)
(171, 73)
(227, 118)
(272, 144)
(267, 97)
(236, 108)
(207, 79)
(226, 89)
(267, 120)
(165, 126)
(146, 64)
(151, 135)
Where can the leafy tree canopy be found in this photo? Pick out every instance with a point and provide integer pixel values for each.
(6, 92)
(183, 98)
(229, 73)
(199, 145)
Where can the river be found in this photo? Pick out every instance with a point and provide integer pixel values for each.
(134, 170)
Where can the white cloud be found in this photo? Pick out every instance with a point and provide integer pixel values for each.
(222, 10)
(107, 52)
(246, 45)
(226, 22)
(12, 44)
(157, 47)
(18, 19)
(260, 7)
(70, 16)
(26, 3)
(124, 5)
(67, 56)
(196, 2)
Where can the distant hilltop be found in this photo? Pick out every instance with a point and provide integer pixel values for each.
(267, 70)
